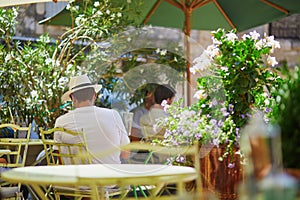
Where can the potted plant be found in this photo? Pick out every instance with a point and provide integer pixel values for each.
(234, 80)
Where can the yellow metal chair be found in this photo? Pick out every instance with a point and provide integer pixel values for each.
(67, 154)
(64, 153)
(14, 149)
(14, 152)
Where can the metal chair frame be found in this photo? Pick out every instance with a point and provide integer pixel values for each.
(58, 153)
(14, 150)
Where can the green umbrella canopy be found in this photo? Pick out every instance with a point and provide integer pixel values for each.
(200, 14)
(214, 14)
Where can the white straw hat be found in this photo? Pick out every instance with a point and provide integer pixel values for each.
(78, 83)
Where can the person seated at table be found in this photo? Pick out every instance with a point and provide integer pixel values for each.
(103, 128)
(136, 132)
(147, 121)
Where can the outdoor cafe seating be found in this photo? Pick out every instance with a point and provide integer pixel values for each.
(149, 183)
(13, 152)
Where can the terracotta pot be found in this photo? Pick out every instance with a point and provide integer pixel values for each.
(217, 177)
(294, 172)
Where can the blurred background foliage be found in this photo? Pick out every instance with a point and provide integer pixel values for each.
(286, 115)
(34, 74)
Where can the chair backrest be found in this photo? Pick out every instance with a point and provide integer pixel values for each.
(14, 150)
(64, 153)
(170, 152)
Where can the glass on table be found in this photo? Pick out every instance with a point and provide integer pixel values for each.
(127, 118)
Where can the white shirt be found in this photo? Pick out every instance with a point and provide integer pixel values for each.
(148, 121)
(103, 129)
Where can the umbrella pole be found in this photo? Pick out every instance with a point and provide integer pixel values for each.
(187, 34)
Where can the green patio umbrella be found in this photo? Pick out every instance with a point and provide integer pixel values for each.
(201, 14)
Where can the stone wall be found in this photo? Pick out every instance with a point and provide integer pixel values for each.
(28, 26)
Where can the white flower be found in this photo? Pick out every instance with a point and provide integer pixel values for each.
(8, 57)
(157, 50)
(99, 13)
(278, 99)
(48, 61)
(201, 63)
(63, 81)
(272, 61)
(216, 42)
(28, 100)
(108, 12)
(259, 45)
(245, 36)
(224, 68)
(270, 42)
(15, 11)
(96, 4)
(164, 104)
(175, 59)
(231, 37)
(254, 35)
(119, 14)
(267, 102)
(200, 94)
(212, 51)
(75, 8)
(163, 52)
(57, 63)
(34, 94)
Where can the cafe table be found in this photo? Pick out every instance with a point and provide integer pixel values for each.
(96, 176)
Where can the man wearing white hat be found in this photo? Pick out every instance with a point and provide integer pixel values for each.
(103, 128)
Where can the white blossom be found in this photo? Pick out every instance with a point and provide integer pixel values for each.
(259, 45)
(267, 102)
(231, 37)
(48, 61)
(212, 51)
(200, 94)
(99, 13)
(271, 42)
(96, 4)
(8, 57)
(201, 63)
(163, 52)
(34, 94)
(272, 61)
(254, 35)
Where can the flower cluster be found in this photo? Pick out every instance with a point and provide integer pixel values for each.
(242, 66)
(234, 82)
(185, 125)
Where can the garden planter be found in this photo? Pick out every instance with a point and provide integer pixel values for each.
(217, 177)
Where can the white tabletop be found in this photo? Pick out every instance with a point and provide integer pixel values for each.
(103, 174)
